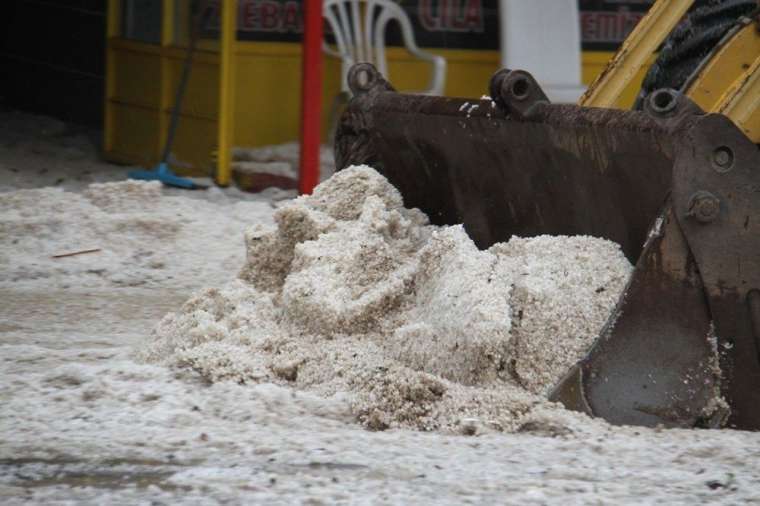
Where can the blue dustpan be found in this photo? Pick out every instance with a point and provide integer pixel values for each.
(164, 174)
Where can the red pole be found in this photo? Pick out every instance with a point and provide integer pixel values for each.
(311, 95)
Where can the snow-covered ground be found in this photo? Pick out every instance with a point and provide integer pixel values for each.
(82, 421)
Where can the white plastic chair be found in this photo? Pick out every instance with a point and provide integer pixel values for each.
(359, 30)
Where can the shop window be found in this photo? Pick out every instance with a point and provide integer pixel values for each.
(141, 20)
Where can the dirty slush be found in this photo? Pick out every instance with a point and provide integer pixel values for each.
(349, 313)
(352, 297)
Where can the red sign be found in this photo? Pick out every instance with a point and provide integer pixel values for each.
(608, 26)
(451, 15)
(270, 16)
(262, 16)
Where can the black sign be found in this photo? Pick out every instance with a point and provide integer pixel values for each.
(460, 24)
(606, 23)
(261, 20)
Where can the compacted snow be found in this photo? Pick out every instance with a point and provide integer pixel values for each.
(352, 295)
(186, 348)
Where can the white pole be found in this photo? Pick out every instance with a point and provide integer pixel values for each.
(543, 37)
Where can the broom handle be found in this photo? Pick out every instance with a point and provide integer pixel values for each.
(180, 95)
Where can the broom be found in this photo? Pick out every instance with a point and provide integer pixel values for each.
(162, 172)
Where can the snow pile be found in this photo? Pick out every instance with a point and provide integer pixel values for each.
(564, 288)
(125, 233)
(353, 296)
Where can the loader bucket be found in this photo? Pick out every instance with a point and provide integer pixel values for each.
(677, 189)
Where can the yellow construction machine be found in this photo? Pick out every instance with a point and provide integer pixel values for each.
(676, 182)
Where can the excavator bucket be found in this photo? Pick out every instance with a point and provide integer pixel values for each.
(678, 189)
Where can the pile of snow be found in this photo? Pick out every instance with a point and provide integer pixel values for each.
(351, 296)
(127, 233)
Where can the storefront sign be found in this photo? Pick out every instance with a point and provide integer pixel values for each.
(461, 24)
(606, 23)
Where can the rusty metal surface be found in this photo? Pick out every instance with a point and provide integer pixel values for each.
(562, 170)
(714, 157)
(653, 362)
(518, 165)
(713, 224)
(753, 303)
(516, 92)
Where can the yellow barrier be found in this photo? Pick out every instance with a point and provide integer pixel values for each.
(227, 92)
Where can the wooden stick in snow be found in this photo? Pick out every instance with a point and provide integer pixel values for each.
(73, 253)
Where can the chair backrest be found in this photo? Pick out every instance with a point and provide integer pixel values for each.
(359, 29)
